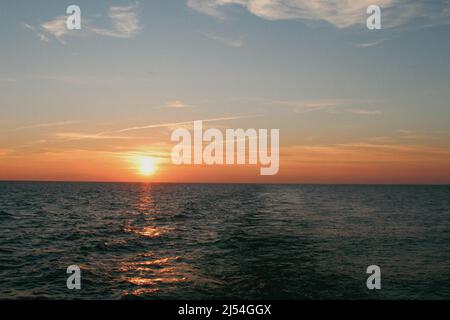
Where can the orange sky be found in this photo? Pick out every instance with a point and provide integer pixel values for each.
(347, 163)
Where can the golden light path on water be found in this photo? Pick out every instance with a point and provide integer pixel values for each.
(151, 273)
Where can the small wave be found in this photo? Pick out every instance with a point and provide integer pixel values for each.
(149, 231)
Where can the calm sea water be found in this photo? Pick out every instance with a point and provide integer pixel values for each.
(179, 241)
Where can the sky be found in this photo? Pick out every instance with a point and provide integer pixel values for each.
(353, 105)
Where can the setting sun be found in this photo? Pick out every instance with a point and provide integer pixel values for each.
(147, 166)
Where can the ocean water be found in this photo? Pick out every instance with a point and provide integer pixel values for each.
(193, 241)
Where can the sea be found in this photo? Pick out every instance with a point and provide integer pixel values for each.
(223, 241)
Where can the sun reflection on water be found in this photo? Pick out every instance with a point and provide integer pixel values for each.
(151, 276)
(151, 272)
(146, 203)
(148, 231)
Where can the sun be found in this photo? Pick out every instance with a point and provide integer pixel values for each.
(147, 166)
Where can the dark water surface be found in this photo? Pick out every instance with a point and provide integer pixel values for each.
(185, 241)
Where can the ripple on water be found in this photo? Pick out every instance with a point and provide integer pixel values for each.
(149, 276)
(222, 241)
(148, 231)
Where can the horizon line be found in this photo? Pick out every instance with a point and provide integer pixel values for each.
(229, 183)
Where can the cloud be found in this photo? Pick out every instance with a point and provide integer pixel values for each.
(56, 27)
(364, 112)
(369, 44)
(339, 13)
(124, 20)
(310, 106)
(40, 35)
(328, 105)
(47, 125)
(72, 136)
(234, 43)
(209, 7)
(174, 124)
(116, 135)
(124, 24)
(177, 104)
(414, 135)
(360, 152)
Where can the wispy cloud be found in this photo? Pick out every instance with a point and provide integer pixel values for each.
(46, 125)
(177, 104)
(361, 152)
(56, 27)
(39, 34)
(341, 14)
(124, 24)
(174, 124)
(369, 44)
(364, 112)
(416, 135)
(328, 105)
(73, 136)
(313, 105)
(124, 20)
(234, 43)
(117, 134)
(210, 8)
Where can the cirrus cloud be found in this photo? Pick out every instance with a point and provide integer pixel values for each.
(124, 21)
(339, 13)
